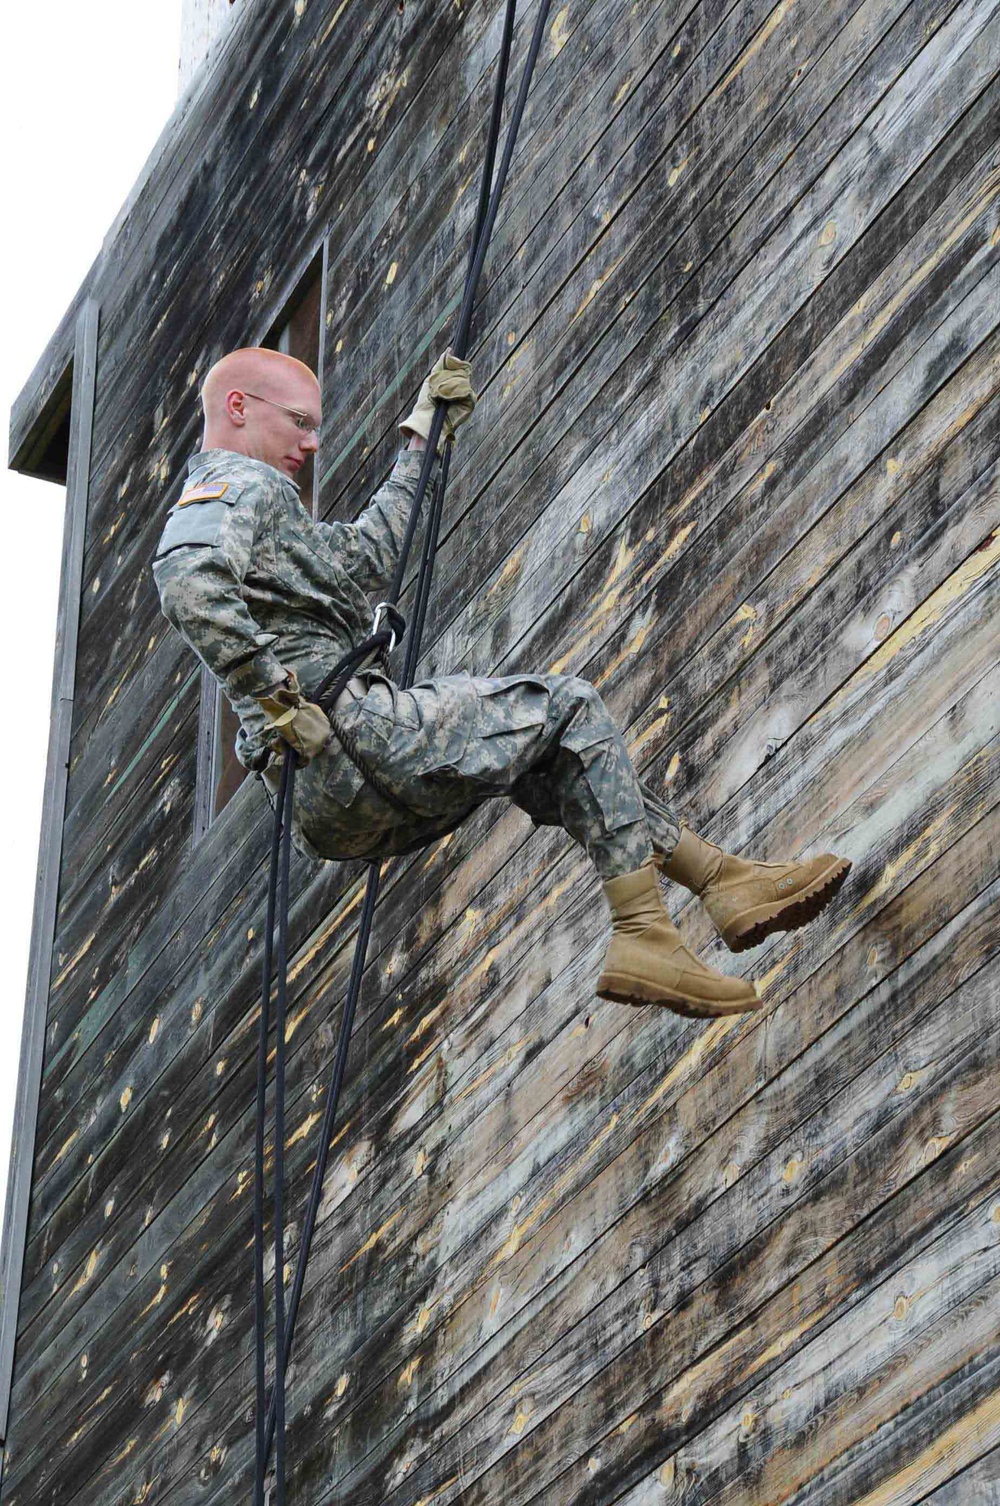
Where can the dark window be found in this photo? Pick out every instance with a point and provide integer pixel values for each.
(44, 451)
(298, 331)
(231, 771)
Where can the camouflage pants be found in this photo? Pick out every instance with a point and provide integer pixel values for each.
(445, 746)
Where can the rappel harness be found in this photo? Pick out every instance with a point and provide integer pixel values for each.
(388, 628)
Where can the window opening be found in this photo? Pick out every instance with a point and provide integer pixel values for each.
(297, 331)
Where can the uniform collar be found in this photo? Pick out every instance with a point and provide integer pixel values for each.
(202, 459)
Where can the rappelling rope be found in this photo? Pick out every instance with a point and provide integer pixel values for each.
(374, 649)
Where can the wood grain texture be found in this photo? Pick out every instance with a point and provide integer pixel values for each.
(736, 460)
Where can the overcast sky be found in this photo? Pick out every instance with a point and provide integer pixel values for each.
(86, 92)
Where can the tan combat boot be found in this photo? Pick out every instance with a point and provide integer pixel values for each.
(748, 900)
(648, 963)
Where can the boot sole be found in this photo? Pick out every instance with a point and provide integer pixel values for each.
(622, 989)
(787, 915)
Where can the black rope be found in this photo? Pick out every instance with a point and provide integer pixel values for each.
(377, 646)
(258, 1200)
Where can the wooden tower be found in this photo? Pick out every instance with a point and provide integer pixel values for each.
(735, 461)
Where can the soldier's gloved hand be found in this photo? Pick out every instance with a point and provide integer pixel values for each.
(303, 725)
(450, 378)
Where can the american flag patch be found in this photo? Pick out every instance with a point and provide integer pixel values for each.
(204, 493)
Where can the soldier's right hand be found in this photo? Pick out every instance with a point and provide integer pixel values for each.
(301, 723)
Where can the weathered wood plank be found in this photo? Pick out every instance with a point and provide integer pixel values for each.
(763, 1387)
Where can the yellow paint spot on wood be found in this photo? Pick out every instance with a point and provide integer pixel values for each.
(597, 285)
(425, 1024)
(371, 143)
(901, 1307)
(165, 1140)
(968, 1439)
(978, 563)
(196, 1011)
(675, 172)
(791, 1170)
(558, 31)
(667, 1473)
(254, 98)
(181, 1406)
(746, 613)
(521, 1419)
(891, 466)
(828, 233)
(935, 1145)
(408, 1372)
(125, 1099)
(154, 1029)
(421, 1163)
(421, 1057)
(304, 1128)
(896, 540)
(342, 1384)
(622, 91)
(64, 1147)
(71, 964)
(910, 1080)
(87, 1272)
(374, 1238)
(109, 1207)
(393, 1019)
(759, 41)
(220, 1066)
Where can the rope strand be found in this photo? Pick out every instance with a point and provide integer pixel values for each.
(274, 1424)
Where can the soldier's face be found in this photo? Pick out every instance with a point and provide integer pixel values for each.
(280, 420)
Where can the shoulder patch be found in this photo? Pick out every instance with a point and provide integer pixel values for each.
(204, 493)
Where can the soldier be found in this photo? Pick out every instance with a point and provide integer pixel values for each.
(271, 599)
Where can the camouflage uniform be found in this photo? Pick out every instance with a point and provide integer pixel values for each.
(256, 586)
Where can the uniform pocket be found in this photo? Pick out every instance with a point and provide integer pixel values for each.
(510, 704)
(196, 523)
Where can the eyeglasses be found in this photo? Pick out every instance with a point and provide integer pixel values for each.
(303, 421)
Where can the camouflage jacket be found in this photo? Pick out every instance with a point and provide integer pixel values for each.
(256, 586)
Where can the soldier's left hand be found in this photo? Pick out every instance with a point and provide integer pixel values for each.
(301, 723)
(450, 380)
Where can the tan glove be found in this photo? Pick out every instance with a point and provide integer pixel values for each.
(450, 379)
(303, 725)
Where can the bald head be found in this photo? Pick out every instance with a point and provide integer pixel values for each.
(262, 403)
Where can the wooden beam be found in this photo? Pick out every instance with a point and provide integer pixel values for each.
(84, 369)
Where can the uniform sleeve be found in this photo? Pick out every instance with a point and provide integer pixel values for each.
(369, 547)
(199, 566)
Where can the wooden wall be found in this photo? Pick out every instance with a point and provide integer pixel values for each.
(736, 461)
